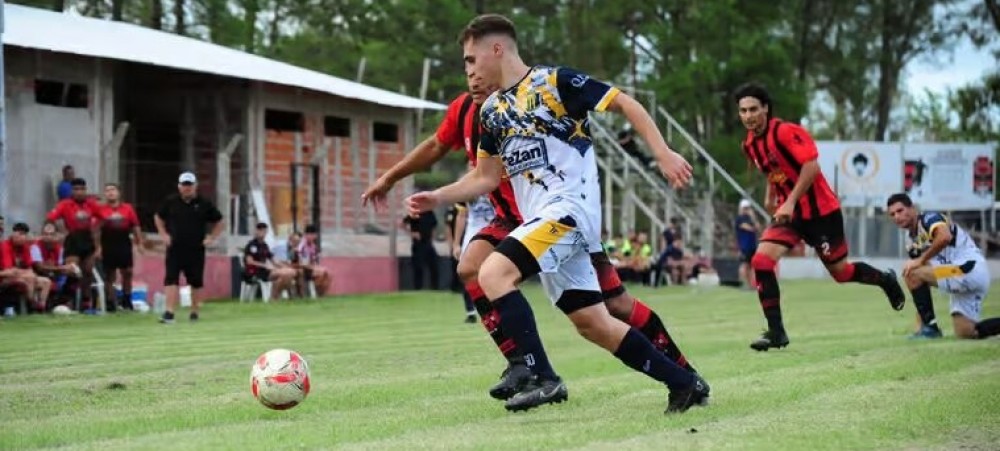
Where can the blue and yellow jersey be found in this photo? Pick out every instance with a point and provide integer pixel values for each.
(960, 249)
(539, 128)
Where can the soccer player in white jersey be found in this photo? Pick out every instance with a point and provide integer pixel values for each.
(943, 254)
(536, 133)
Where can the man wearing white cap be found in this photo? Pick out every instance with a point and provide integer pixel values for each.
(182, 223)
(746, 239)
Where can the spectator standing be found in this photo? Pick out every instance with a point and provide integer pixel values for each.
(422, 248)
(120, 227)
(65, 188)
(746, 240)
(183, 222)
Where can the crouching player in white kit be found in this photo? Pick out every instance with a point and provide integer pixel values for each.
(535, 133)
(945, 256)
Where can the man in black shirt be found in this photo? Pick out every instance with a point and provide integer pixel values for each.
(182, 222)
(422, 248)
(259, 264)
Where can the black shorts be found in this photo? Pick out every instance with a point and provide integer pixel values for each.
(116, 255)
(257, 274)
(495, 231)
(747, 254)
(825, 234)
(79, 244)
(189, 260)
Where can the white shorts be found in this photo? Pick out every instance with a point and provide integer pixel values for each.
(472, 227)
(561, 248)
(967, 291)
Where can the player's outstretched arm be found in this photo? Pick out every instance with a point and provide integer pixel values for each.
(673, 166)
(485, 178)
(422, 157)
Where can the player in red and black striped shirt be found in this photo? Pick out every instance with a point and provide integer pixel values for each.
(460, 130)
(804, 208)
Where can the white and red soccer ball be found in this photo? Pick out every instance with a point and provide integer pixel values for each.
(279, 379)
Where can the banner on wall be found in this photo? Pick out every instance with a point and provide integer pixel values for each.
(862, 173)
(949, 176)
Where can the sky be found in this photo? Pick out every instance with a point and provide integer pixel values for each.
(966, 65)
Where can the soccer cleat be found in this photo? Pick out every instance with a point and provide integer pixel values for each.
(537, 393)
(193, 317)
(770, 339)
(471, 319)
(703, 400)
(893, 291)
(513, 379)
(926, 332)
(167, 318)
(681, 400)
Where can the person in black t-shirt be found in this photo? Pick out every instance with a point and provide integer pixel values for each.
(182, 223)
(260, 265)
(422, 248)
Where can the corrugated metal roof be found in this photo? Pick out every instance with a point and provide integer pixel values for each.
(62, 32)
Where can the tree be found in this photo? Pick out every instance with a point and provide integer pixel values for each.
(180, 21)
(156, 14)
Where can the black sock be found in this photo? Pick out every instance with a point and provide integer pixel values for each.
(517, 318)
(648, 322)
(770, 298)
(988, 327)
(469, 309)
(490, 319)
(866, 274)
(640, 355)
(925, 305)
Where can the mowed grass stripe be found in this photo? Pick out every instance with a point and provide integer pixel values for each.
(421, 382)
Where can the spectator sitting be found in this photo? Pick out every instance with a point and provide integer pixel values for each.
(697, 264)
(309, 251)
(65, 188)
(50, 264)
(640, 260)
(286, 255)
(16, 262)
(259, 264)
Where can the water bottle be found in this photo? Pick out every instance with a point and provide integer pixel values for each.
(159, 303)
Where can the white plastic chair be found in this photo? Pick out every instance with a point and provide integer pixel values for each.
(248, 289)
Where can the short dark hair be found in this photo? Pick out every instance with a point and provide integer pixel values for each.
(485, 25)
(78, 182)
(21, 227)
(902, 198)
(114, 185)
(754, 90)
(859, 158)
(67, 167)
(261, 225)
(311, 228)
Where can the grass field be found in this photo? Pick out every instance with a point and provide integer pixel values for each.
(400, 371)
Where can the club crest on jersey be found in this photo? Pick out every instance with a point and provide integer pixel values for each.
(523, 153)
(530, 101)
(776, 177)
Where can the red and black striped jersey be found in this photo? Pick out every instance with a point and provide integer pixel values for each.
(460, 129)
(779, 153)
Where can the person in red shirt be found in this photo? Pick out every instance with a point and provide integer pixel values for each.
(49, 262)
(804, 209)
(81, 217)
(120, 225)
(17, 259)
(460, 130)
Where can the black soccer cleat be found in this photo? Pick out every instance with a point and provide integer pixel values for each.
(537, 393)
(167, 318)
(193, 317)
(513, 379)
(680, 400)
(471, 319)
(897, 299)
(770, 339)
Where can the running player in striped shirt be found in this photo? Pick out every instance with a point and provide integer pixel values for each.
(804, 208)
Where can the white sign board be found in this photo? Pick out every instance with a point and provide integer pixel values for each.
(862, 173)
(949, 176)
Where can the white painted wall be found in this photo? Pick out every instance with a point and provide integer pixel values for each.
(811, 268)
(42, 138)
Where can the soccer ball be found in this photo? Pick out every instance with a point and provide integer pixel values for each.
(279, 379)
